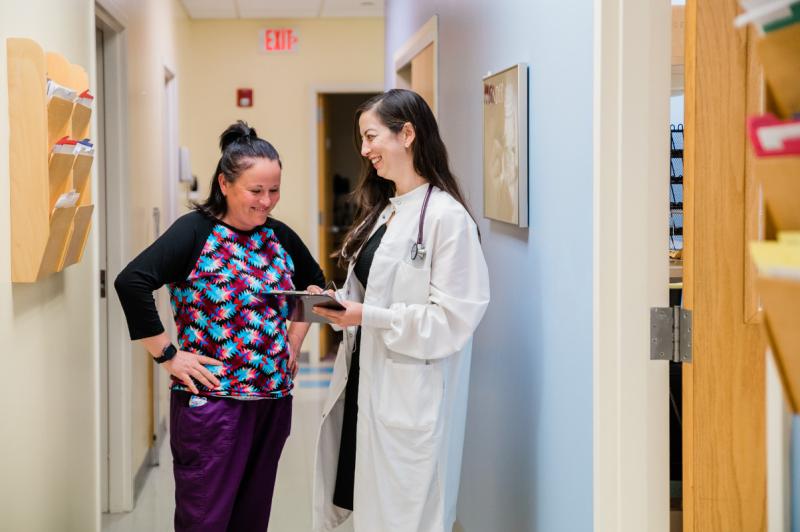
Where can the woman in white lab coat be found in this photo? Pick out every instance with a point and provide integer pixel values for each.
(392, 430)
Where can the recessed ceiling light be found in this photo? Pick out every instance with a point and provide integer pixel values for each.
(367, 3)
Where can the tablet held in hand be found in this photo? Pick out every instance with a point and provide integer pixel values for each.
(301, 304)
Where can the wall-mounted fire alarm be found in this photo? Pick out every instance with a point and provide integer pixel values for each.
(244, 97)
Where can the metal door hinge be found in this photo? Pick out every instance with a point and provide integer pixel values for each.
(102, 283)
(671, 334)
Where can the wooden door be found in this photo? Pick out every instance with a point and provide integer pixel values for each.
(416, 65)
(423, 76)
(724, 457)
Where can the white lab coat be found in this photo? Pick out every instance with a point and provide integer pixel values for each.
(416, 342)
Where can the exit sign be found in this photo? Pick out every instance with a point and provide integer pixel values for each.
(278, 40)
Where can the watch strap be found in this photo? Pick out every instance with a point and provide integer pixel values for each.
(167, 354)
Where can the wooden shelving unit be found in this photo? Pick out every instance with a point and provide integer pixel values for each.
(779, 180)
(45, 239)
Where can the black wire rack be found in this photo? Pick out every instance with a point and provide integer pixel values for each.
(676, 187)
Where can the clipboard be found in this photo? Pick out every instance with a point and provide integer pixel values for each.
(301, 304)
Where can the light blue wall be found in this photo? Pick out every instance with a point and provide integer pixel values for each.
(676, 109)
(528, 451)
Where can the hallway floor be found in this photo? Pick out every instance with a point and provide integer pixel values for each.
(291, 506)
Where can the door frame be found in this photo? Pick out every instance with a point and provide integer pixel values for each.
(630, 264)
(169, 213)
(117, 426)
(426, 35)
(313, 213)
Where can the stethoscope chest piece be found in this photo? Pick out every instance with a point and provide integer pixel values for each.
(418, 250)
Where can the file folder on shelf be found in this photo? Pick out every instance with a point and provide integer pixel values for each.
(772, 136)
(59, 171)
(60, 226)
(59, 113)
(776, 259)
(82, 115)
(81, 174)
(780, 185)
(81, 225)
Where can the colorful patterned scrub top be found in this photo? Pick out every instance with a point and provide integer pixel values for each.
(218, 277)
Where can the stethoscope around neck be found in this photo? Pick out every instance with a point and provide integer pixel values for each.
(418, 250)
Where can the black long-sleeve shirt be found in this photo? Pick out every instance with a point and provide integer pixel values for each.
(218, 278)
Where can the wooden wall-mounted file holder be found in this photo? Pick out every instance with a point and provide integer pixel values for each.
(44, 239)
(779, 52)
(781, 301)
(780, 298)
(780, 184)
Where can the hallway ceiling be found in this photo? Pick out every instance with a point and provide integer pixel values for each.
(283, 8)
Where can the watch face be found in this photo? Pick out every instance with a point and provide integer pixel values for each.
(167, 354)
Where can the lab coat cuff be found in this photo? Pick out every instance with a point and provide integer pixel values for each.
(338, 295)
(376, 317)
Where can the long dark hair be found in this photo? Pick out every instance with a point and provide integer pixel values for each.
(395, 108)
(240, 145)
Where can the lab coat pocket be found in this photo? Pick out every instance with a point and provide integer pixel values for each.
(411, 395)
(412, 284)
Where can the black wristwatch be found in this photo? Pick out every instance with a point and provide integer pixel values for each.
(167, 354)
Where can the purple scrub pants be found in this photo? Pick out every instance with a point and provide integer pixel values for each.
(225, 457)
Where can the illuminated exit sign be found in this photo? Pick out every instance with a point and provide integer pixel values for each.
(278, 40)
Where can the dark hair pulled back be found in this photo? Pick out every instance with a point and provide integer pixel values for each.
(395, 108)
(240, 146)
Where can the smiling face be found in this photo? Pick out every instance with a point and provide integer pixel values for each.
(251, 198)
(388, 152)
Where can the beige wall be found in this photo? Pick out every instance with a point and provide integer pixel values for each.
(224, 55)
(49, 421)
(49, 452)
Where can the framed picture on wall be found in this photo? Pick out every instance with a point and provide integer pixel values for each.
(505, 145)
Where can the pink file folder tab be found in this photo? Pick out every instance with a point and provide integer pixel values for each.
(772, 136)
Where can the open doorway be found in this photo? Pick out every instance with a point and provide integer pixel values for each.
(675, 230)
(338, 172)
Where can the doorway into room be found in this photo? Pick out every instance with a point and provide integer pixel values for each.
(338, 171)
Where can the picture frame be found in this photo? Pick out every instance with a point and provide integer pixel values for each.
(505, 145)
